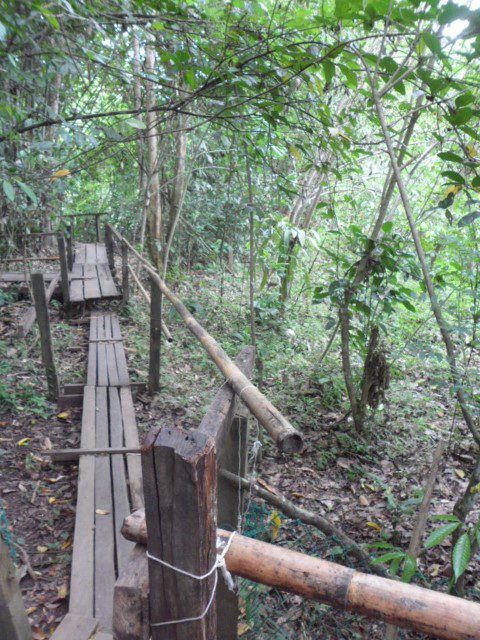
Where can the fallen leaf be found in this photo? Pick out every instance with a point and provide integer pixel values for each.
(460, 473)
(23, 442)
(42, 549)
(375, 526)
(62, 591)
(101, 512)
(266, 486)
(434, 570)
(364, 501)
(63, 415)
(242, 628)
(52, 500)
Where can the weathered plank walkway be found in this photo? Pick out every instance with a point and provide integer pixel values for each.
(90, 277)
(109, 487)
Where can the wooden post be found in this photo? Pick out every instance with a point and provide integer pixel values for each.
(230, 499)
(155, 337)
(109, 247)
(97, 227)
(180, 478)
(62, 254)
(125, 291)
(13, 618)
(40, 299)
(71, 231)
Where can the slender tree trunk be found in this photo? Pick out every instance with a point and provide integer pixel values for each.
(437, 311)
(153, 205)
(137, 95)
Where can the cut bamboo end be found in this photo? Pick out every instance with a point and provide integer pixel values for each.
(290, 443)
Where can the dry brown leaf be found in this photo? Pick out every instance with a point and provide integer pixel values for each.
(364, 501)
(42, 549)
(101, 512)
(460, 473)
(242, 628)
(266, 486)
(62, 591)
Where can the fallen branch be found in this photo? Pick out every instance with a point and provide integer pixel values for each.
(307, 517)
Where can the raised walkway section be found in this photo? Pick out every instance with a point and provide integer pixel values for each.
(90, 277)
(109, 486)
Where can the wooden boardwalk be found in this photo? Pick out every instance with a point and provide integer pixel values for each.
(90, 277)
(109, 486)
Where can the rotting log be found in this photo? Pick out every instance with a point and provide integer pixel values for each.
(146, 295)
(436, 614)
(288, 439)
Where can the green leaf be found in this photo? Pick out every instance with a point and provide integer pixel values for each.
(468, 219)
(387, 226)
(476, 182)
(464, 99)
(409, 568)
(448, 517)
(461, 555)
(454, 176)
(328, 70)
(26, 189)
(450, 156)
(439, 535)
(135, 123)
(388, 557)
(432, 42)
(190, 77)
(461, 116)
(9, 190)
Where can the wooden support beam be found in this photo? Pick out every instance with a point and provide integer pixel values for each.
(31, 259)
(64, 271)
(98, 234)
(155, 339)
(288, 439)
(179, 477)
(147, 297)
(125, 291)
(71, 233)
(13, 618)
(41, 308)
(72, 455)
(407, 606)
(109, 248)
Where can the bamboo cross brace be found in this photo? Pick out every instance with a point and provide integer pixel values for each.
(287, 439)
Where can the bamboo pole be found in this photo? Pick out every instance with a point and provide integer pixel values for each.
(405, 605)
(288, 439)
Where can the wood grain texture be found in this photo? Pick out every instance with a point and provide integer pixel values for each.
(13, 618)
(131, 617)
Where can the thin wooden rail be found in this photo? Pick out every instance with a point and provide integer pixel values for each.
(288, 439)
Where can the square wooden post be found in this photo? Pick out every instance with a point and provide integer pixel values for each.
(71, 231)
(41, 308)
(62, 253)
(179, 477)
(125, 291)
(155, 337)
(13, 618)
(109, 248)
(98, 234)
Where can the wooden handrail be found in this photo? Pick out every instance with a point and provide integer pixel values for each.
(287, 439)
(405, 605)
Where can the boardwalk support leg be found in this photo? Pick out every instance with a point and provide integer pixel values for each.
(155, 338)
(62, 253)
(125, 292)
(179, 475)
(109, 248)
(13, 618)
(71, 231)
(40, 299)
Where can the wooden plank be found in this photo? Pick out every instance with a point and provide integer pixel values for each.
(101, 326)
(92, 364)
(111, 364)
(30, 315)
(107, 284)
(119, 481)
(76, 283)
(91, 284)
(104, 532)
(81, 580)
(131, 440)
(116, 333)
(182, 466)
(123, 377)
(72, 455)
(102, 257)
(102, 372)
(91, 254)
(43, 321)
(93, 326)
(131, 620)
(75, 627)
(13, 618)
(19, 276)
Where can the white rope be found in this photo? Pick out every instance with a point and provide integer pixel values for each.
(219, 564)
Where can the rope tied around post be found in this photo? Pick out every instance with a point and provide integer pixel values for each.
(218, 564)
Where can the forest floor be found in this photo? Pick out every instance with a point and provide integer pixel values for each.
(369, 485)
